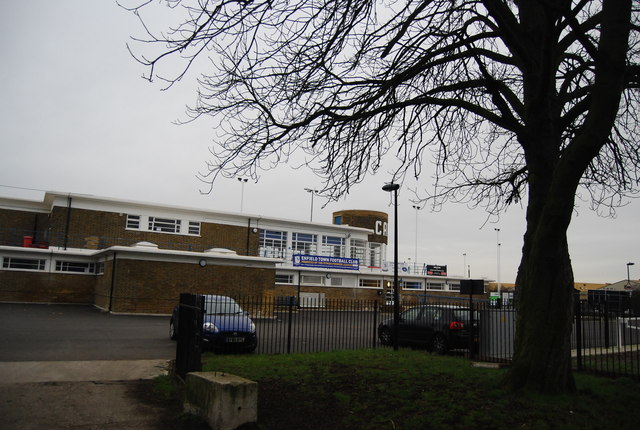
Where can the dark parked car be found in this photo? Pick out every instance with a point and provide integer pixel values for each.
(226, 327)
(439, 328)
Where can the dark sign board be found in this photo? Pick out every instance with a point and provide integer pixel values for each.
(471, 286)
(436, 270)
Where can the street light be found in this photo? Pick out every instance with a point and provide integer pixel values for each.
(396, 296)
(415, 259)
(498, 258)
(629, 277)
(242, 181)
(312, 191)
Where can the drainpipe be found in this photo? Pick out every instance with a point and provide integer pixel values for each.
(113, 281)
(66, 227)
(248, 233)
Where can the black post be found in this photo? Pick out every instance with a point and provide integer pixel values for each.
(396, 294)
(291, 301)
(189, 345)
(375, 323)
(578, 319)
(606, 323)
(471, 330)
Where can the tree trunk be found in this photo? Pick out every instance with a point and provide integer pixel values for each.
(544, 297)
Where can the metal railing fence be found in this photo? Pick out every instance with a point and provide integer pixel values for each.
(606, 341)
(602, 342)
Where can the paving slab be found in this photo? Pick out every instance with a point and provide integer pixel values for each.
(69, 371)
(97, 395)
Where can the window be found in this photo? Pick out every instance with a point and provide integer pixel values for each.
(454, 287)
(371, 283)
(336, 282)
(312, 280)
(333, 246)
(273, 244)
(164, 225)
(304, 243)
(358, 249)
(435, 286)
(23, 263)
(194, 228)
(411, 285)
(282, 278)
(375, 255)
(133, 222)
(78, 267)
(337, 220)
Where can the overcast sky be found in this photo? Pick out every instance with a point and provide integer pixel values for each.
(76, 116)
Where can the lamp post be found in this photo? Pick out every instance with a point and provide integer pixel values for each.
(415, 256)
(628, 276)
(396, 296)
(498, 258)
(312, 191)
(242, 181)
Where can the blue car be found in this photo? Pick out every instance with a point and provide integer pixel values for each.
(226, 326)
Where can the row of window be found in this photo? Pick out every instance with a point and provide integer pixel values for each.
(274, 244)
(39, 264)
(336, 281)
(163, 225)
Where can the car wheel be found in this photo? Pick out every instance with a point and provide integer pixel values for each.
(438, 344)
(384, 333)
(172, 331)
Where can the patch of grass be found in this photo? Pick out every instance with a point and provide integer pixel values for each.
(382, 389)
(165, 388)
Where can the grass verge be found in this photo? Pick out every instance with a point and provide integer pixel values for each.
(382, 389)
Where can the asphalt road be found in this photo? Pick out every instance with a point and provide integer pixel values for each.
(38, 332)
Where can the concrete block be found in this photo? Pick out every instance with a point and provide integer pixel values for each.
(225, 401)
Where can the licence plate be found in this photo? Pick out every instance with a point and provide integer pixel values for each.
(234, 339)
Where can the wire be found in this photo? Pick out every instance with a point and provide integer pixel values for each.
(22, 188)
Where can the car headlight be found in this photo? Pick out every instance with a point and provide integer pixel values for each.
(210, 327)
(252, 327)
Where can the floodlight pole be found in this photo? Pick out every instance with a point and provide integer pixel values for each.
(396, 296)
(312, 191)
(628, 276)
(242, 182)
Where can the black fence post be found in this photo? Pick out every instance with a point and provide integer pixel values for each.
(471, 330)
(606, 324)
(375, 324)
(291, 303)
(578, 323)
(189, 345)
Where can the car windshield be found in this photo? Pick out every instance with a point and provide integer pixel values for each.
(222, 308)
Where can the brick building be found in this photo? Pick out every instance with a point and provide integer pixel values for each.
(129, 256)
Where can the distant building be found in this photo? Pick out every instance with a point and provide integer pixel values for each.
(625, 285)
(130, 256)
(582, 287)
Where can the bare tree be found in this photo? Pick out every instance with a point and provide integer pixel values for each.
(513, 100)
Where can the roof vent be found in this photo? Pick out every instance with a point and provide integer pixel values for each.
(145, 245)
(220, 251)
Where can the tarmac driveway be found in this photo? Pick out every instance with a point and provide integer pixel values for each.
(37, 332)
